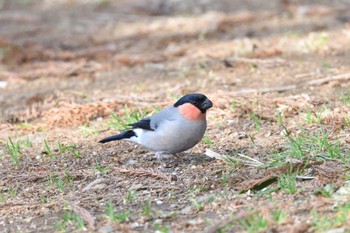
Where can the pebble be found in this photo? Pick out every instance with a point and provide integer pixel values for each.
(106, 229)
(135, 186)
(3, 84)
(159, 202)
(131, 162)
(158, 221)
(135, 225)
(186, 210)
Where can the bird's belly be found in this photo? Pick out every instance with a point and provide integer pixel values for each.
(175, 138)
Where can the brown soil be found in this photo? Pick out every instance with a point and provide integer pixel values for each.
(67, 65)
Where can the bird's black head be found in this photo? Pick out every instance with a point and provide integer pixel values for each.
(198, 100)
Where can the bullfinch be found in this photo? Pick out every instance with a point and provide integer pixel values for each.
(172, 130)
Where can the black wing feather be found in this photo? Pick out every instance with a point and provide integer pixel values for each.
(142, 124)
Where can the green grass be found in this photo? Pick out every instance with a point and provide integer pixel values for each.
(69, 220)
(146, 209)
(59, 182)
(7, 193)
(14, 150)
(339, 217)
(307, 146)
(314, 118)
(130, 196)
(279, 215)
(27, 143)
(316, 41)
(254, 223)
(60, 149)
(224, 180)
(279, 118)
(102, 170)
(160, 228)
(239, 159)
(257, 121)
(345, 98)
(116, 215)
(69, 148)
(233, 105)
(208, 141)
(346, 121)
(231, 160)
(199, 206)
(326, 191)
(287, 183)
(48, 149)
(88, 130)
(131, 116)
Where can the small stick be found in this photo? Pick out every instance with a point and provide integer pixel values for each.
(84, 214)
(266, 90)
(328, 79)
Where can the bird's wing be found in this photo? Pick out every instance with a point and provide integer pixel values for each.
(143, 124)
(154, 121)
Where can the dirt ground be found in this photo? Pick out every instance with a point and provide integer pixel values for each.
(275, 157)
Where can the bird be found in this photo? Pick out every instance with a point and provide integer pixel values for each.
(174, 129)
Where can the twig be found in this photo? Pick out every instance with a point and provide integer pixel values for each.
(255, 161)
(305, 177)
(97, 181)
(22, 206)
(247, 160)
(144, 173)
(328, 79)
(265, 62)
(213, 154)
(266, 90)
(84, 214)
(156, 187)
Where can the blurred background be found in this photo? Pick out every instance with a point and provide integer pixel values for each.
(58, 53)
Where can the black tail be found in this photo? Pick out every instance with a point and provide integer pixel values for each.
(126, 134)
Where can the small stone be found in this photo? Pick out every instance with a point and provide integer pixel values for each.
(336, 230)
(159, 202)
(203, 198)
(186, 210)
(194, 222)
(158, 221)
(131, 162)
(136, 186)
(106, 229)
(135, 225)
(3, 84)
(173, 178)
(98, 186)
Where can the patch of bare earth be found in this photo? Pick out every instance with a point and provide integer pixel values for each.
(278, 136)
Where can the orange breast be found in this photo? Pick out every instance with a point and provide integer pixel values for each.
(191, 112)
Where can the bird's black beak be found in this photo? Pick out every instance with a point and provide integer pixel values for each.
(207, 104)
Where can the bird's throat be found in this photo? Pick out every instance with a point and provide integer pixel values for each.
(191, 112)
